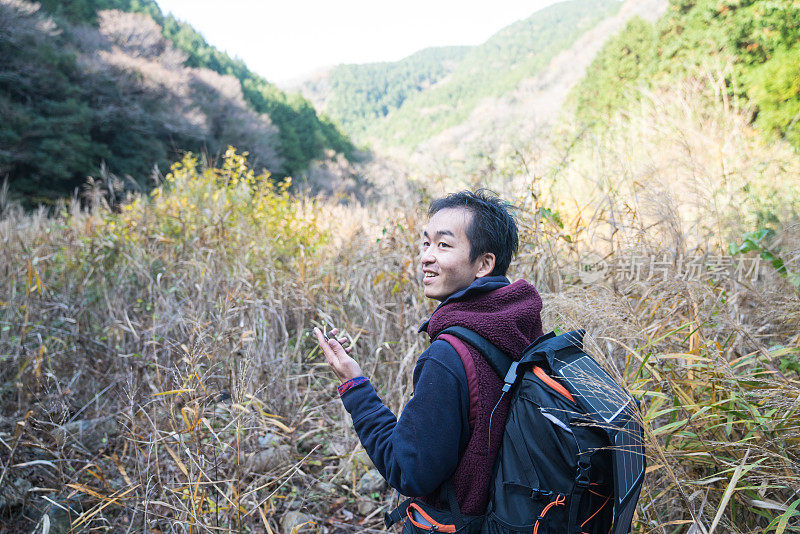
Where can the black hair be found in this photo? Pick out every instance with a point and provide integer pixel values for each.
(492, 228)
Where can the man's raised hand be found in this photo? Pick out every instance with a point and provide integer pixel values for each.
(336, 353)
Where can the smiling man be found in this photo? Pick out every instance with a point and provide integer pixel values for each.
(445, 443)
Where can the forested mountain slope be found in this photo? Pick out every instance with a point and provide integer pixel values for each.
(357, 95)
(748, 51)
(116, 83)
(522, 117)
(487, 70)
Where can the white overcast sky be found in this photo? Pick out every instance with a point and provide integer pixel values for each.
(286, 39)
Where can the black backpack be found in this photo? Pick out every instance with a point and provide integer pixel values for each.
(572, 458)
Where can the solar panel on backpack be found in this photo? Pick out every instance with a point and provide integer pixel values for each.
(629, 454)
(624, 518)
(596, 388)
(615, 410)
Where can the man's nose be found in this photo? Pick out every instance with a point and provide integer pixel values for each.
(427, 255)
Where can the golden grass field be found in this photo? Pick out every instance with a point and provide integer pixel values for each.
(158, 372)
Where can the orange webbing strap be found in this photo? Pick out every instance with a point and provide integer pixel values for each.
(559, 501)
(429, 522)
(552, 383)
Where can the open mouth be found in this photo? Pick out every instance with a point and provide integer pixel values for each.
(428, 276)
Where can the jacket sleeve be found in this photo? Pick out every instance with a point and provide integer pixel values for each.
(419, 451)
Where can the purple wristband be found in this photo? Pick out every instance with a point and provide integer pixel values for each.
(353, 382)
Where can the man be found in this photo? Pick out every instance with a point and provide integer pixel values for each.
(467, 246)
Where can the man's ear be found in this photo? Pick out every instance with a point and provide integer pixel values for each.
(486, 265)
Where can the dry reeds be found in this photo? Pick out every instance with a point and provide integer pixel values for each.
(158, 372)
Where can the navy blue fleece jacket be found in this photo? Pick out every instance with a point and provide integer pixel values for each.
(419, 451)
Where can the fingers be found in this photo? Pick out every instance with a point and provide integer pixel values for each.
(323, 343)
(337, 355)
(341, 340)
(332, 335)
(331, 346)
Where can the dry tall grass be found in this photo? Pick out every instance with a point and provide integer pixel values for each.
(159, 375)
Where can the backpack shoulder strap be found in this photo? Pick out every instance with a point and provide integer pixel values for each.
(546, 347)
(472, 375)
(498, 361)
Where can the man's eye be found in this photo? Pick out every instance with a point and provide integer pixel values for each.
(443, 244)
(425, 244)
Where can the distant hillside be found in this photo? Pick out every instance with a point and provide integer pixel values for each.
(358, 95)
(487, 70)
(746, 51)
(502, 127)
(116, 83)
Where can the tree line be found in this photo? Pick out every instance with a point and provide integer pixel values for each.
(117, 84)
(750, 49)
(406, 102)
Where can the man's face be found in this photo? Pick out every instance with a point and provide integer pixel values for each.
(445, 254)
